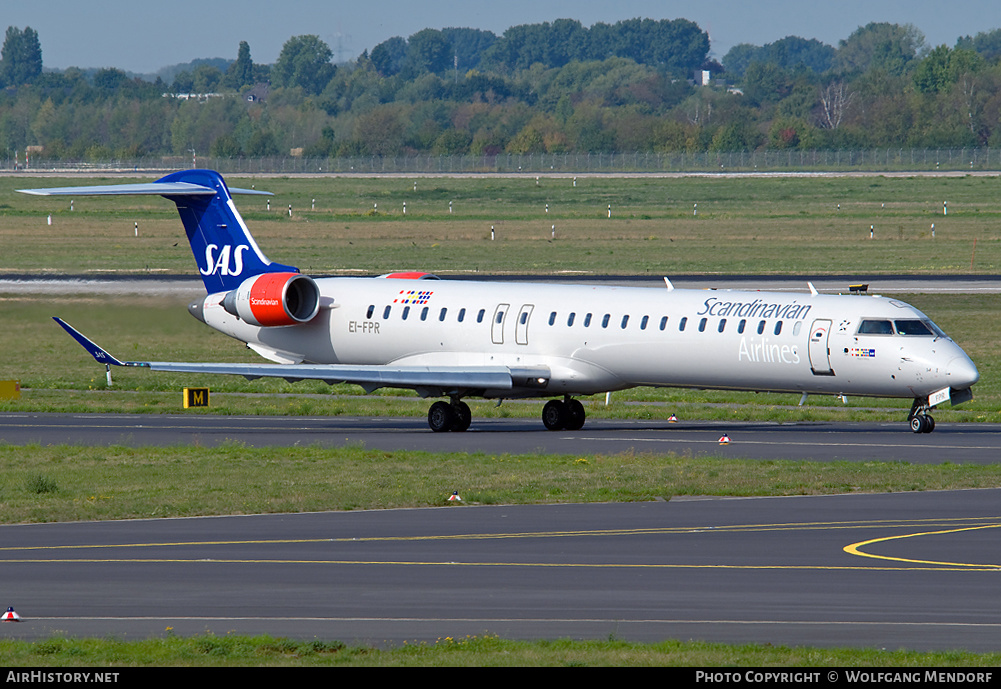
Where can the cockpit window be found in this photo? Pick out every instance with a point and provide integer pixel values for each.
(913, 327)
(875, 327)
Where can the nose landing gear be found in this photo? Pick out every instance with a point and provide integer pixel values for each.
(919, 418)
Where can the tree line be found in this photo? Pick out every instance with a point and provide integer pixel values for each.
(555, 87)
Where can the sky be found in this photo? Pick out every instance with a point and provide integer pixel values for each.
(142, 37)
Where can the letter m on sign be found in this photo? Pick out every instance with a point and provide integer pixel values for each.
(196, 397)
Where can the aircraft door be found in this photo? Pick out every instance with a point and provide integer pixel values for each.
(820, 354)
(521, 327)
(497, 324)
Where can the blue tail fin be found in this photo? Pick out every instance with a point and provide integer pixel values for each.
(224, 249)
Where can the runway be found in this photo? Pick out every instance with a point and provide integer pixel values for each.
(907, 570)
(822, 441)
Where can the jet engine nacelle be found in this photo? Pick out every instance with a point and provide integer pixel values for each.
(274, 299)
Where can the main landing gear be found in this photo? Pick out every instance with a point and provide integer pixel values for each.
(567, 414)
(919, 418)
(445, 416)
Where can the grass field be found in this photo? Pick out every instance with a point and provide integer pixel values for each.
(808, 226)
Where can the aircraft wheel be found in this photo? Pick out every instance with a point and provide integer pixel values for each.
(554, 415)
(440, 417)
(922, 423)
(463, 417)
(575, 415)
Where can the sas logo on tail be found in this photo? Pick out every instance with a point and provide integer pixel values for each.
(221, 264)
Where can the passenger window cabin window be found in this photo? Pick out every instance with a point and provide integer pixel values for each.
(385, 312)
(646, 319)
(587, 321)
(604, 321)
(424, 313)
(663, 322)
(722, 325)
(625, 321)
(371, 310)
(682, 324)
(761, 327)
(552, 318)
(778, 327)
(500, 316)
(406, 312)
(570, 318)
(462, 315)
(740, 326)
(441, 316)
(524, 317)
(480, 315)
(702, 325)
(796, 328)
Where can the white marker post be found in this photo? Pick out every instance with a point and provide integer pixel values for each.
(491, 233)
(312, 206)
(933, 230)
(450, 208)
(50, 218)
(945, 208)
(609, 211)
(404, 207)
(269, 204)
(290, 210)
(872, 232)
(695, 210)
(554, 231)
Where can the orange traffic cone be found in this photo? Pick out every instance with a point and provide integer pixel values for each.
(454, 497)
(10, 616)
(672, 419)
(724, 439)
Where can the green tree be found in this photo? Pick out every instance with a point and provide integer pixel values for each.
(389, 56)
(20, 57)
(304, 62)
(241, 72)
(879, 45)
(429, 51)
(943, 67)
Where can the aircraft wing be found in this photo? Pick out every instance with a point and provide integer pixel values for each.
(429, 379)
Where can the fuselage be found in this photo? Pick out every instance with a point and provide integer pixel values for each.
(600, 338)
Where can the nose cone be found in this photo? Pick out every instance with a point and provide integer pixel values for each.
(962, 372)
(197, 308)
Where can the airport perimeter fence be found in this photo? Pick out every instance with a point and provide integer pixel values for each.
(874, 160)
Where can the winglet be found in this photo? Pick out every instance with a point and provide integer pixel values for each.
(96, 351)
(667, 281)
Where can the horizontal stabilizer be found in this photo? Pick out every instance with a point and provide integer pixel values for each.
(149, 188)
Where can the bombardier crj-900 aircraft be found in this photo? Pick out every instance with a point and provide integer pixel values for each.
(457, 339)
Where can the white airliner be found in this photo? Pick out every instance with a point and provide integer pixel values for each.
(456, 339)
